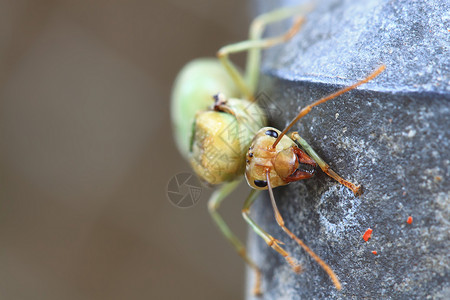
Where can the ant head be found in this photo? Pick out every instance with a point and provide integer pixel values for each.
(285, 163)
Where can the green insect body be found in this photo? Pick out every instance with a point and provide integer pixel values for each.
(192, 92)
(221, 137)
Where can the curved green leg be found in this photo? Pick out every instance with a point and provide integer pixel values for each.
(213, 206)
(256, 30)
(270, 240)
(323, 165)
(255, 44)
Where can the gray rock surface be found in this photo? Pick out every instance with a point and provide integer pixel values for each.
(391, 136)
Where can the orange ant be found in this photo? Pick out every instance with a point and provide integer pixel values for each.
(275, 159)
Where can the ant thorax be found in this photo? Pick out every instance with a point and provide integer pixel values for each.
(285, 163)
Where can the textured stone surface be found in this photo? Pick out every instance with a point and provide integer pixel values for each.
(391, 136)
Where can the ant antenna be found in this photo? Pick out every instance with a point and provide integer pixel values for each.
(308, 108)
(280, 222)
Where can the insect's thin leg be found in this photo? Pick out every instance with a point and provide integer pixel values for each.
(308, 108)
(256, 30)
(324, 166)
(213, 205)
(280, 222)
(271, 241)
(224, 52)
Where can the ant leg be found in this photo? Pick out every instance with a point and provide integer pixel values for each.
(213, 206)
(357, 190)
(280, 222)
(271, 241)
(224, 52)
(255, 33)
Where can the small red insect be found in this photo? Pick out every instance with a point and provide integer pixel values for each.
(410, 220)
(367, 234)
(374, 252)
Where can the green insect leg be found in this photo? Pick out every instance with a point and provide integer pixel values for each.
(357, 190)
(213, 206)
(271, 241)
(256, 31)
(246, 88)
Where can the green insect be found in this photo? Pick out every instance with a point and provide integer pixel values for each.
(221, 135)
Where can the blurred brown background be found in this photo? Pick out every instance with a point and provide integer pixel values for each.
(86, 152)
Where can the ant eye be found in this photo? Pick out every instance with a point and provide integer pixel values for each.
(272, 133)
(260, 183)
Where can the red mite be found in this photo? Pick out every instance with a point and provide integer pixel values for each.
(367, 234)
(409, 221)
(374, 252)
